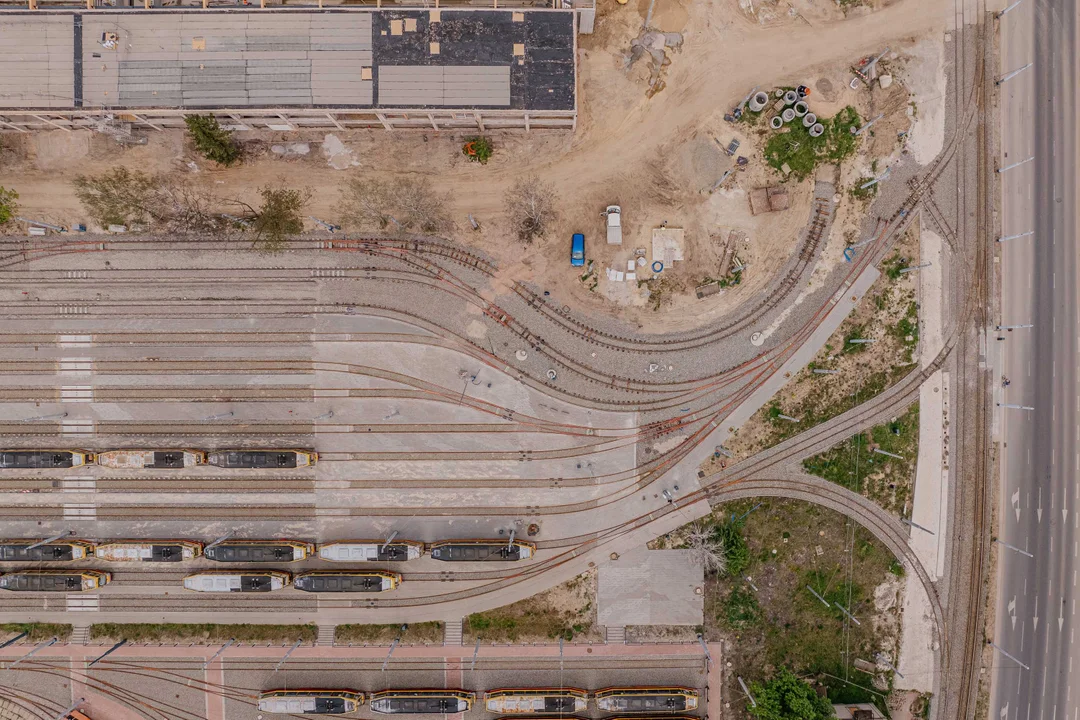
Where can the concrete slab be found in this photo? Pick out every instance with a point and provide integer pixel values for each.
(651, 587)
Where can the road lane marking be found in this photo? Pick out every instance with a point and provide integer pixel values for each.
(74, 340)
(77, 427)
(80, 511)
(79, 365)
(77, 393)
(83, 603)
(82, 484)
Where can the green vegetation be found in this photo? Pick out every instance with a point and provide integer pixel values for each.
(787, 697)
(860, 193)
(9, 204)
(202, 633)
(213, 141)
(857, 332)
(478, 149)
(741, 609)
(888, 481)
(565, 611)
(775, 621)
(38, 632)
(119, 196)
(892, 266)
(803, 153)
(735, 548)
(279, 217)
(416, 633)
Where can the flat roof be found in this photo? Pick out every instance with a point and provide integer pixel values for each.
(513, 59)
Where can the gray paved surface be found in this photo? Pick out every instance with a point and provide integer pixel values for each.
(1036, 599)
(651, 587)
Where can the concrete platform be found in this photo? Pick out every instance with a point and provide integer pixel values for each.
(651, 587)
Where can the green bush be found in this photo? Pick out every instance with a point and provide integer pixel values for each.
(213, 141)
(735, 548)
(478, 149)
(787, 697)
(8, 204)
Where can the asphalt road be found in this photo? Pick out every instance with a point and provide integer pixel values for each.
(1040, 493)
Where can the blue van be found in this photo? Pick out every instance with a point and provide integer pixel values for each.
(577, 250)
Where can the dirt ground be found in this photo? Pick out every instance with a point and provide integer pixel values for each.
(655, 156)
(567, 611)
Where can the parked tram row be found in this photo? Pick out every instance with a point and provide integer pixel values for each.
(638, 702)
(256, 459)
(242, 551)
(264, 551)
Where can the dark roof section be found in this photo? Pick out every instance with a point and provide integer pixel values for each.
(543, 80)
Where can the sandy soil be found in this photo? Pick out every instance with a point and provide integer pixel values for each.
(646, 153)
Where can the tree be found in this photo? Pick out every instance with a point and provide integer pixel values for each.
(125, 197)
(530, 203)
(213, 141)
(401, 205)
(120, 196)
(8, 204)
(707, 547)
(786, 697)
(279, 216)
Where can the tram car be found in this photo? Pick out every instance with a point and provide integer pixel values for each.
(646, 699)
(263, 459)
(44, 459)
(310, 702)
(155, 551)
(482, 550)
(151, 459)
(54, 580)
(58, 551)
(259, 551)
(417, 702)
(344, 581)
(536, 701)
(371, 551)
(236, 581)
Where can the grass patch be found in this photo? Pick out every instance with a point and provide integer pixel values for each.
(741, 608)
(567, 611)
(802, 153)
(416, 633)
(772, 621)
(38, 632)
(202, 633)
(888, 481)
(864, 193)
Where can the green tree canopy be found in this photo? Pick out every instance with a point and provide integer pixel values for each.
(786, 697)
(279, 217)
(8, 204)
(213, 141)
